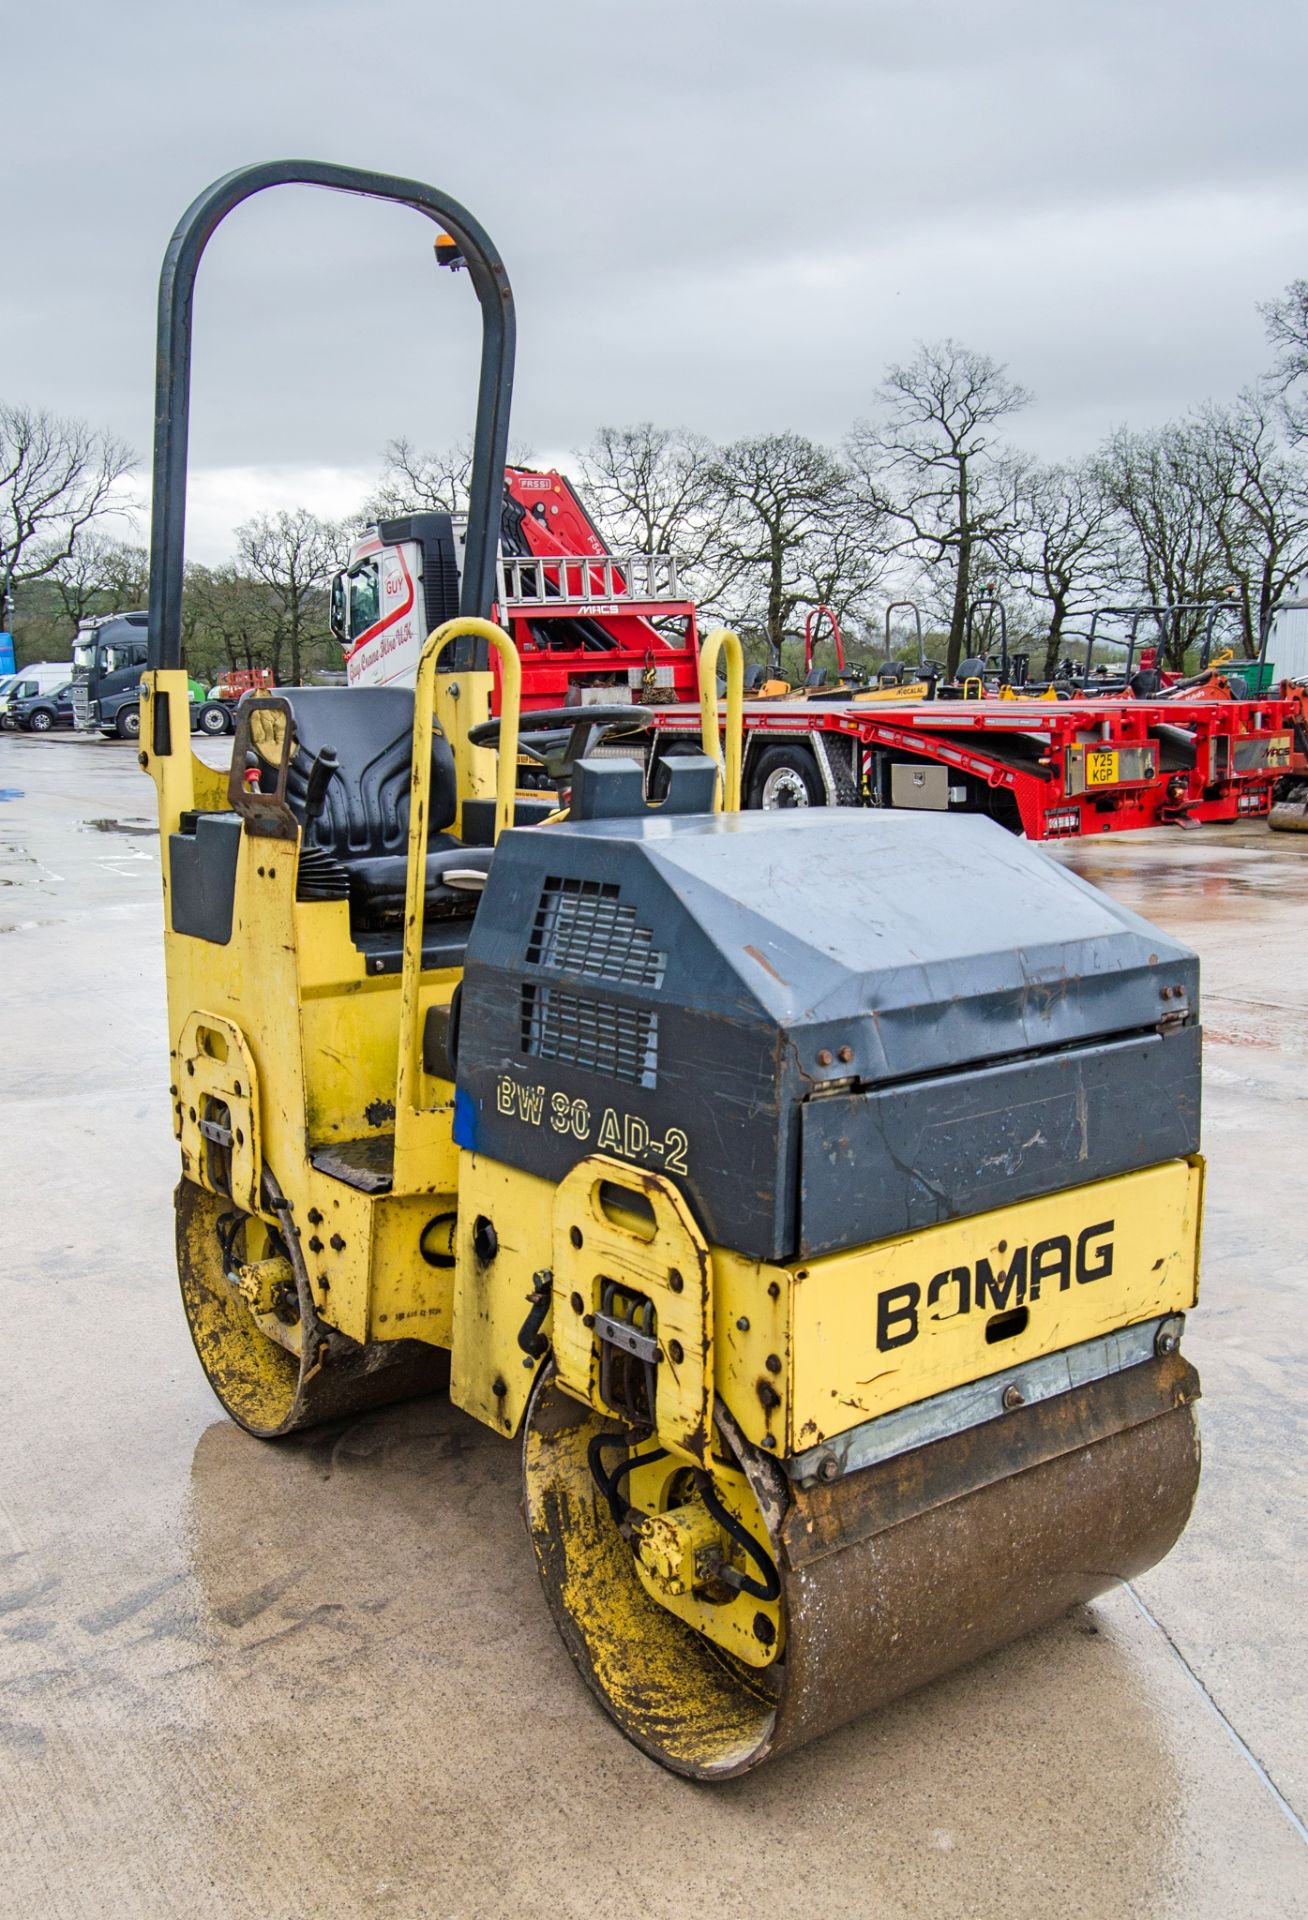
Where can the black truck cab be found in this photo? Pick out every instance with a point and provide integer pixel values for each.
(108, 661)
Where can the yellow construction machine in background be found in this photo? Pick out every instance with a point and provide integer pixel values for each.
(815, 1195)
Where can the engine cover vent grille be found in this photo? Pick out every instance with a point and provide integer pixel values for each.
(620, 1042)
(582, 926)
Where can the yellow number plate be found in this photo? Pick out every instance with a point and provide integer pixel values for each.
(1101, 766)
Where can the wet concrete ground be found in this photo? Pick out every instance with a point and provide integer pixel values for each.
(319, 1679)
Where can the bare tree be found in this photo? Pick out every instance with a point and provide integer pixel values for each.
(1257, 495)
(294, 555)
(792, 532)
(653, 490)
(56, 479)
(101, 576)
(931, 462)
(1286, 321)
(1063, 551)
(415, 482)
(1168, 547)
(230, 619)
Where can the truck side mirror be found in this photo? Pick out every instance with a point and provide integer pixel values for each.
(338, 615)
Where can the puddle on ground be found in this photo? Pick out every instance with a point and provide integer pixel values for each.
(1185, 884)
(138, 825)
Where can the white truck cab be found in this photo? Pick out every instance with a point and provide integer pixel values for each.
(591, 627)
(402, 580)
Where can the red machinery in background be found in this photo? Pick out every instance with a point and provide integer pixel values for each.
(593, 627)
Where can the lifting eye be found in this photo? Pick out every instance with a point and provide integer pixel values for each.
(627, 1208)
(212, 1043)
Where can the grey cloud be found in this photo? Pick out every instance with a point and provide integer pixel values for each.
(720, 213)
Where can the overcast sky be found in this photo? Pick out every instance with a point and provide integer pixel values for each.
(729, 214)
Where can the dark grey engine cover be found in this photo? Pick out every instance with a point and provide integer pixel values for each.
(828, 1027)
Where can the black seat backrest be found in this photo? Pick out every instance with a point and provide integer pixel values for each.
(816, 677)
(371, 731)
(754, 677)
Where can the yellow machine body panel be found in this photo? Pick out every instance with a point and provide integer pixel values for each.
(804, 1352)
(281, 1037)
(502, 1242)
(862, 1333)
(616, 1228)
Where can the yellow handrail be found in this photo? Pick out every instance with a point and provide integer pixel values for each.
(506, 782)
(722, 638)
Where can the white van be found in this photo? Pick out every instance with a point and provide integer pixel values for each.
(43, 676)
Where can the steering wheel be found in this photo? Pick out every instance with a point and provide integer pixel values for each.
(557, 737)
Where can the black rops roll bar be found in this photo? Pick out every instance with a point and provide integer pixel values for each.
(991, 604)
(172, 407)
(895, 607)
(1166, 616)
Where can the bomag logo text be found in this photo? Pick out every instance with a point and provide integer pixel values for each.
(990, 1286)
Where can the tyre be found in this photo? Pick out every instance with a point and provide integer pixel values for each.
(128, 724)
(266, 1387)
(785, 777)
(213, 719)
(1289, 812)
(41, 721)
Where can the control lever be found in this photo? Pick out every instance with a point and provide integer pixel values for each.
(325, 766)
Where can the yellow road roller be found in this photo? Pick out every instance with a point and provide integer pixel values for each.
(814, 1196)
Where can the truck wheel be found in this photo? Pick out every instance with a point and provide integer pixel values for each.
(40, 721)
(212, 718)
(785, 777)
(128, 724)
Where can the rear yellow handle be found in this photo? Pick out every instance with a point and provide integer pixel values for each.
(722, 639)
(415, 885)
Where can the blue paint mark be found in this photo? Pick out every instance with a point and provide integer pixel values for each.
(465, 1119)
(11, 793)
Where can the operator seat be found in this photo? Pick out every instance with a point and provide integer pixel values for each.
(358, 840)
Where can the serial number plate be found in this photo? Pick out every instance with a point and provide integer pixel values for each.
(1101, 765)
